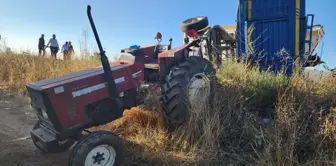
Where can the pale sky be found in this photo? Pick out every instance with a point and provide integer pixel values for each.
(128, 22)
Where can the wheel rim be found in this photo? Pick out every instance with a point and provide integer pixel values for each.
(102, 155)
(198, 89)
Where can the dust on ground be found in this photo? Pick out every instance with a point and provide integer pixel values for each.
(17, 149)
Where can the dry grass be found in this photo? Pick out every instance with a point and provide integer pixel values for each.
(17, 70)
(302, 129)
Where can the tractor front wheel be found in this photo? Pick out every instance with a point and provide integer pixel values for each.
(98, 148)
(187, 86)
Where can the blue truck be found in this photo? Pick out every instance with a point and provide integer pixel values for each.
(276, 34)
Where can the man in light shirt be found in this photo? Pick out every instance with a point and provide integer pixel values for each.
(65, 50)
(53, 46)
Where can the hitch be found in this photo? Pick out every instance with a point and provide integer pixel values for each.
(103, 58)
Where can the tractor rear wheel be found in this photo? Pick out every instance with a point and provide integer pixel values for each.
(186, 86)
(98, 148)
(61, 147)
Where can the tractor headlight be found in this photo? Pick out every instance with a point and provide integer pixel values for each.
(44, 113)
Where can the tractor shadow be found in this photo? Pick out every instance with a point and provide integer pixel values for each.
(135, 155)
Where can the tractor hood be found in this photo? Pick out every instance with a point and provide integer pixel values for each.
(80, 74)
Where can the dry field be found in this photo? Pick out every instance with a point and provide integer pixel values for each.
(301, 130)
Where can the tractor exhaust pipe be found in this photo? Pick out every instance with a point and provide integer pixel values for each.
(103, 58)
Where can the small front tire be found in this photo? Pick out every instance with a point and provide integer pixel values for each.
(102, 147)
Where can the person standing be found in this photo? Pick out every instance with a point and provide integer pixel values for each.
(54, 47)
(41, 46)
(71, 50)
(65, 50)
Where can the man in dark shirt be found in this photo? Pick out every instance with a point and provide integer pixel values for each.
(41, 45)
(71, 51)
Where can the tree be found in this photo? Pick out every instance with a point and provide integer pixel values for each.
(83, 44)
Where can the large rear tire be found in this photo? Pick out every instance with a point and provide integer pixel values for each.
(186, 85)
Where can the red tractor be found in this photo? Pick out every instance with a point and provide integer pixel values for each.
(68, 105)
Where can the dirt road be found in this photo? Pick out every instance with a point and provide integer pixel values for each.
(16, 147)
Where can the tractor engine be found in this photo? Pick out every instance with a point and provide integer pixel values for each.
(81, 100)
